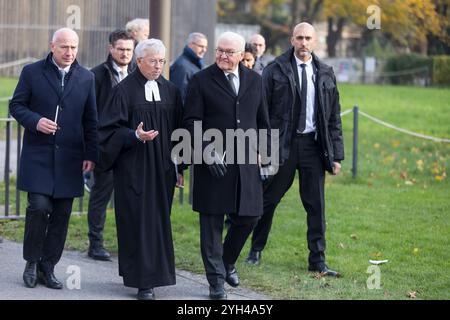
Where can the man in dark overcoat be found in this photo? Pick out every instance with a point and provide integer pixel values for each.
(225, 96)
(55, 102)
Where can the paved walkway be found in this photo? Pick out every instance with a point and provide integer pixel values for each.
(98, 281)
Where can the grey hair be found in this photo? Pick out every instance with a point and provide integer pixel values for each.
(234, 37)
(194, 36)
(150, 45)
(136, 24)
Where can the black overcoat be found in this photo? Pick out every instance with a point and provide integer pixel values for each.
(210, 99)
(53, 164)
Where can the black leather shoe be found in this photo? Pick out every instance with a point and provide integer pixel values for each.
(49, 280)
(30, 276)
(324, 270)
(146, 294)
(99, 253)
(232, 276)
(217, 292)
(254, 257)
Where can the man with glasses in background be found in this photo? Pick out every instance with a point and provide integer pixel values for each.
(135, 139)
(189, 62)
(107, 75)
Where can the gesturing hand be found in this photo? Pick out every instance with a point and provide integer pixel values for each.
(46, 126)
(145, 135)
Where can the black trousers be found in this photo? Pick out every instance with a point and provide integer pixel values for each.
(216, 255)
(304, 157)
(98, 201)
(46, 223)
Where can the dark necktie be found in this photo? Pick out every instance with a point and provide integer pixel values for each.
(304, 90)
(230, 80)
(63, 74)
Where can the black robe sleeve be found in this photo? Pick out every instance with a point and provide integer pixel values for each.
(115, 134)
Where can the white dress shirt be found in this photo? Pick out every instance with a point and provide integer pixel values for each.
(235, 78)
(310, 95)
(121, 73)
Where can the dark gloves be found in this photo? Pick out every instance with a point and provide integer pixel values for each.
(218, 167)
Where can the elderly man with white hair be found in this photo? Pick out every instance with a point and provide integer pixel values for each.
(138, 29)
(226, 96)
(135, 131)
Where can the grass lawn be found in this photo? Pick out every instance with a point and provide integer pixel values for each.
(397, 209)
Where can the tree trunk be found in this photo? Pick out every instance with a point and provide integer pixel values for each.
(334, 36)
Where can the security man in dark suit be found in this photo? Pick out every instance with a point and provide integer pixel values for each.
(303, 103)
(107, 76)
(224, 96)
(55, 102)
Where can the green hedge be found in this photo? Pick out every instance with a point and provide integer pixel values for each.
(398, 68)
(441, 70)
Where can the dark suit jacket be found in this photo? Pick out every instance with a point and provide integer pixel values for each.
(282, 94)
(52, 164)
(104, 82)
(211, 100)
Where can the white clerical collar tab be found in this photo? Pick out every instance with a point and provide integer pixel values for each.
(152, 90)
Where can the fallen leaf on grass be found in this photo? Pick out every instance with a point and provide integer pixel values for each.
(404, 175)
(319, 275)
(354, 236)
(395, 143)
(412, 294)
(376, 254)
(441, 177)
(419, 164)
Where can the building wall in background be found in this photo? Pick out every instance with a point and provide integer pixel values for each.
(26, 26)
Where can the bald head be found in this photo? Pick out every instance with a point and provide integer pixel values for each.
(303, 40)
(64, 33)
(64, 47)
(259, 43)
(304, 26)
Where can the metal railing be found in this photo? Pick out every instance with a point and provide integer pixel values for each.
(7, 214)
(9, 121)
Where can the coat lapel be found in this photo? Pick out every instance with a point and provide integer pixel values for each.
(52, 79)
(219, 76)
(243, 80)
(72, 83)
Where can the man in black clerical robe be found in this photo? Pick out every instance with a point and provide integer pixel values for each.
(135, 131)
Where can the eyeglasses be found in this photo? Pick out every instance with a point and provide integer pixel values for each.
(123, 50)
(200, 46)
(154, 62)
(227, 53)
